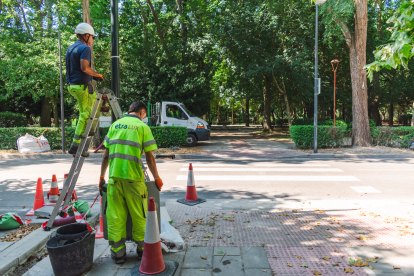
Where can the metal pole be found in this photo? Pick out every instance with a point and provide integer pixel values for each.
(315, 112)
(115, 50)
(62, 109)
(334, 115)
(149, 113)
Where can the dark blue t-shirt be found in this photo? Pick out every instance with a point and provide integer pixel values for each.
(76, 75)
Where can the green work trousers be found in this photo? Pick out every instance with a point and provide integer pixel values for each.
(125, 196)
(85, 102)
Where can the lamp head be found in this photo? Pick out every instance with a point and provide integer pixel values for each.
(335, 61)
(320, 2)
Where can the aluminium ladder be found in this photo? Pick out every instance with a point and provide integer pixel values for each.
(103, 95)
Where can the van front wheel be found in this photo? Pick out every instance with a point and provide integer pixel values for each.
(191, 140)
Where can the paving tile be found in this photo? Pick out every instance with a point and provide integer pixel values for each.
(400, 257)
(229, 265)
(229, 251)
(193, 259)
(258, 272)
(254, 257)
(104, 265)
(195, 272)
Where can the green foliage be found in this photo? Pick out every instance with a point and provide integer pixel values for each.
(338, 123)
(328, 136)
(10, 119)
(164, 136)
(400, 50)
(9, 136)
(392, 136)
(372, 125)
(303, 122)
(169, 136)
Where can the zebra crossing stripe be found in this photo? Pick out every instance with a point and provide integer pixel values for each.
(304, 178)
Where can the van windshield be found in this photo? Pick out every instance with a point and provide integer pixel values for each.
(186, 110)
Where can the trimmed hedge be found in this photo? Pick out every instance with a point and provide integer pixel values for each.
(328, 136)
(10, 119)
(164, 136)
(397, 137)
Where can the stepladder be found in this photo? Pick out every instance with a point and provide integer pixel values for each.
(103, 95)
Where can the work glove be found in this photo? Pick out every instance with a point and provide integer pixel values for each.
(101, 186)
(159, 183)
(98, 78)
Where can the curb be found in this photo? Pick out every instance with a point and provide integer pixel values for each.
(18, 253)
(202, 156)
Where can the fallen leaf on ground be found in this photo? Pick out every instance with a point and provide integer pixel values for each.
(335, 264)
(299, 257)
(350, 261)
(228, 216)
(326, 258)
(304, 265)
(201, 269)
(371, 267)
(396, 267)
(289, 265)
(204, 258)
(370, 260)
(336, 251)
(339, 229)
(220, 252)
(376, 257)
(264, 270)
(348, 270)
(310, 248)
(315, 272)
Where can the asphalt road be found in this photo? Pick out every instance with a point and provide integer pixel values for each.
(236, 184)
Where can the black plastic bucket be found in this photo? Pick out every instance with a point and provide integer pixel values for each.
(71, 250)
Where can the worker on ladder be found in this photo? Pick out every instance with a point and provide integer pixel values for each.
(79, 75)
(74, 121)
(125, 142)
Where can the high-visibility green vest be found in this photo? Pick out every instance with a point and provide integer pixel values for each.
(74, 122)
(172, 114)
(126, 140)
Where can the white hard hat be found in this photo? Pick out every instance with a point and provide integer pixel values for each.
(84, 28)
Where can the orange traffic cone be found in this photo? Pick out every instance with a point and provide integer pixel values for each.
(100, 234)
(74, 197)
(191, 196)
(152, 261)
(39, 201)
(53, 194)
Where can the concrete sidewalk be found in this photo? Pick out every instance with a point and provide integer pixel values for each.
(301, 241)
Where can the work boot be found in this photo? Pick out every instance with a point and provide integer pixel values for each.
(118, 260)
(139, 252)
(74, 149)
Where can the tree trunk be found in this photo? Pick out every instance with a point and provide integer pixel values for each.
(357, 42)
(45, 113)
(157, 23)
(412, 119)
(323, 109)
(247, 114)
(282, 90)
(267, 98)
(391, 115)
(55, 112)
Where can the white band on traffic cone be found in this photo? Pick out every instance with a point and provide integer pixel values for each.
(152, 235)
(190, 178)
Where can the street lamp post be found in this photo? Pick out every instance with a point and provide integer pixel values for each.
(317, 82)
(335, 64)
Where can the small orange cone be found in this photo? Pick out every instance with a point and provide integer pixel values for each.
(74, 196)
(191, 196)
(39, 201)
(100, 234)
(152, 261)
(53, 194)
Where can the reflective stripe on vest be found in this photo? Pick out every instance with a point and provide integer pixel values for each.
(124, 156)
(124, 142)
(149, 143)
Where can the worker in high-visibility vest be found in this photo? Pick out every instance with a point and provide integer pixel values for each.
(74, 121)
(79, 76)
(125, 142)
(173, 112)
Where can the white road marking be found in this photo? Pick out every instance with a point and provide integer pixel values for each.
(269, 178)
(365, 190)
(263, 170)
(257, 165)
